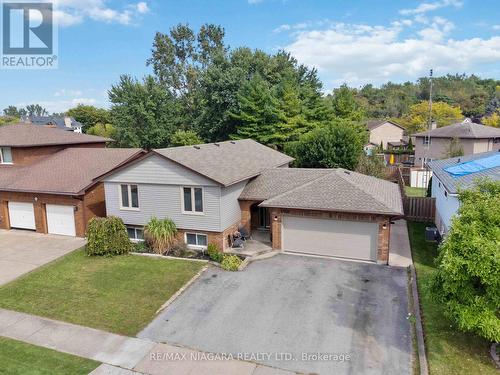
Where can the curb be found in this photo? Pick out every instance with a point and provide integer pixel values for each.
(419, 331)
(181, 290)
(168, 257)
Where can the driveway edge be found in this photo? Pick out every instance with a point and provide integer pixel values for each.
(422, 357)
(181, 290)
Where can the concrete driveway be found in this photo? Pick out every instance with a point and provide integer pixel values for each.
(284, 308)
(23, 251)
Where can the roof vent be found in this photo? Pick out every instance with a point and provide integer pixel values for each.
(233, 142)
(216, 144)
(458, 160)
(347, 172)
(197, 147)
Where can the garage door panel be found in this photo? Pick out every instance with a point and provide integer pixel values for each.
(22, 215)
(349, 239)
(60, 219)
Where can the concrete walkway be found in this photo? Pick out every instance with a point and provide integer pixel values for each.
(400, 251)
(120, 355)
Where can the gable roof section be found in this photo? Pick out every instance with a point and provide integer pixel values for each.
(326, 190)
(226, 162)
(27, 135)
(57, 174)
(454, 183)
(372, 124)
(468, 130)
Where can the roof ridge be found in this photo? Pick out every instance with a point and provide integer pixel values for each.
(360, 187)
(300, 186)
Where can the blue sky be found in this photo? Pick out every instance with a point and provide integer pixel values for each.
(347, 41)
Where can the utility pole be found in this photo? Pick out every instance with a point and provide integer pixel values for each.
(428, 136)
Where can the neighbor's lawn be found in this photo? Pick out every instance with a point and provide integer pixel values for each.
(415, 191)
(118, 294)
(448, 351)
(17, 357)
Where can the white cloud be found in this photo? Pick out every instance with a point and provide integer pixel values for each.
(428, 7)
(359, 54)
(496, 27)
(73, 12)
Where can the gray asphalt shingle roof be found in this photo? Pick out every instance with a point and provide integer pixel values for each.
(27, 135)
(227, 162)
(372, 124)
(452, 183)
(325, 189)
(462, 130)
(54, 174)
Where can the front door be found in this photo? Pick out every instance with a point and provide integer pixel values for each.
(264, 218)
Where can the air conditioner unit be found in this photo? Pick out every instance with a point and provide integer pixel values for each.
(431, 234)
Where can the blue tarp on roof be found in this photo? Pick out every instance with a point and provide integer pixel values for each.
(474, 166)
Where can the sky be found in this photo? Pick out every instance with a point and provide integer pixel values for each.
(347, 41)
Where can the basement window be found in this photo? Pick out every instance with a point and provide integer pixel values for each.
(196, 240)
(135, 234)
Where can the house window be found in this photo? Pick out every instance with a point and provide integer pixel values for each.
(192, 200)
(426, 141)
(129, 196)
(135, 233)
(5, 155)
(196, 240)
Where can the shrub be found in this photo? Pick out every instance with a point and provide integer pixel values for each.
(230, 262)
(160, 234)
(214, 253)
(179, 249)
(141, 247)
(107, 236)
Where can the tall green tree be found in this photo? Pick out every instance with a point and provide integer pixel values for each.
(88, 115)
(339, 144)
(467, 283)
(13, 111)
(344, 104)
(417, 118)
(36, 110)
(143, 113)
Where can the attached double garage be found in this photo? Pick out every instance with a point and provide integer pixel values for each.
(50, 213)
(345, 235)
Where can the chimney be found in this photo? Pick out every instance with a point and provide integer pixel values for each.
(433, 125)
(67, 121)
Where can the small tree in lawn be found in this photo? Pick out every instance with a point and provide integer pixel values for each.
(467, 283)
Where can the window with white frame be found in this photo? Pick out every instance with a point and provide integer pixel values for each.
(129, 196)
(5, 155)
(192, 200)
(426, 140)
(135, 233)
(198, 240)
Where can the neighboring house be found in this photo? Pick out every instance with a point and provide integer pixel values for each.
(62, 122)
(212, 190)
(450, 175)
(383, 131)
(474, 138)
(48, 178)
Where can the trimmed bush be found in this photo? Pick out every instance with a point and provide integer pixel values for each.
(230, 262)
(107, 236)
(160, 234)
(214, 253)
(141, 247)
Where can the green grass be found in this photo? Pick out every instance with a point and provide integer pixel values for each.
(17, 357)
(448, 350)
(415, 191)
(117, 294)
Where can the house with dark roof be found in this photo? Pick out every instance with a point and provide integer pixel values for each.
(48, 178)
(383, 132)
(67, 123)
(451, 175)
(474, 138)
(212, 190)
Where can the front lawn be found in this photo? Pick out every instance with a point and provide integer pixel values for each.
(448, 351)
(415, 191)
(118, 294)
(17, 357)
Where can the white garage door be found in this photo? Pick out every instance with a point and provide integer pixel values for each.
(60, 219)
(347, 239)
(21, 215)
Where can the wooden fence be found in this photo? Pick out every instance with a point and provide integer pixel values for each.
(416, 208)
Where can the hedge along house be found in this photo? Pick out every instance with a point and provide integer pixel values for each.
(328, 212)
(47, 178)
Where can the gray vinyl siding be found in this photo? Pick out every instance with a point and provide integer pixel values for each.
(165, 201)
(158, 170)
(230, 207)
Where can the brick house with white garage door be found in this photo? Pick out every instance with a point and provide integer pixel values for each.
(212, 190)
(47, 178)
